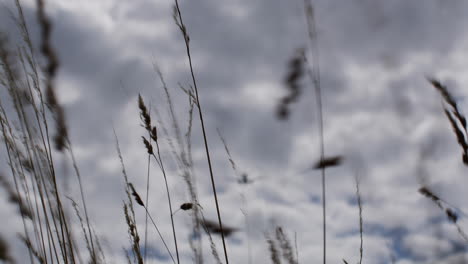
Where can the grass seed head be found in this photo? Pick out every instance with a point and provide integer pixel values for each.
(136, 195)
(452, 216)
(328, 162)
(148, 146)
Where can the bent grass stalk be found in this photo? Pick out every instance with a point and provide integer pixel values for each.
(153, 137)
(183, 29)
(140, 202)
(314, 74)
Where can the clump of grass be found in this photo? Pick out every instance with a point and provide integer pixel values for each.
(29, 153)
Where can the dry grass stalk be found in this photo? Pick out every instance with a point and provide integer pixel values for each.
(133, 232)
(214, 251)
(175, 124)
(361, 229)
(42, 165)
(140, 202)
(180, 23)
(146, 118)
(94, 258)
(37, 178)
(314, 74)
(226, 148)
(30, 246)
(129, 211)
(456, 118)
(181, 149)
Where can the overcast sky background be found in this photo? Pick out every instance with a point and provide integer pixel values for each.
(380, 113)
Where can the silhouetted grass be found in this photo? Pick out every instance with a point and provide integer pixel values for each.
(30, 105)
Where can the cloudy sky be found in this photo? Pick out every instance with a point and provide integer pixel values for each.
(380, 114)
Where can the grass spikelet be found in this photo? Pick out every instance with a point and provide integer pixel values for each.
(4, 252)
(135, 238)
(214, 227)
(144, 113)
(451, 214)
(148, 146)
(429, 194)
(226, 148)
(136, 195)
(457, 120)
(186, 206)
(425, 191)
(274, 253)
(154, 134)
(285, 246)
(328, 162)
